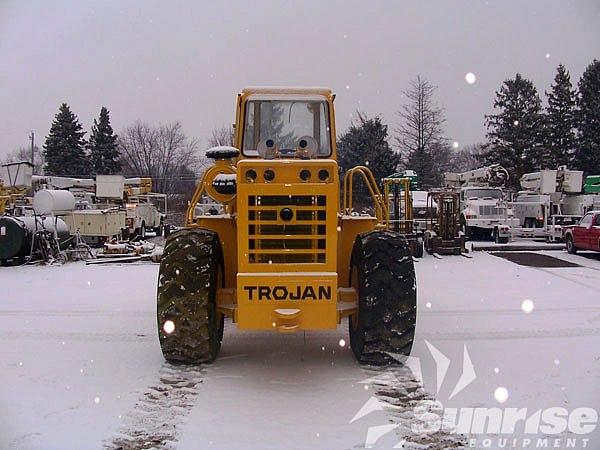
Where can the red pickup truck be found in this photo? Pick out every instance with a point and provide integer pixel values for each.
(585, 235)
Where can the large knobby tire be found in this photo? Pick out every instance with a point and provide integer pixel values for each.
(384, 276)
(190, 269)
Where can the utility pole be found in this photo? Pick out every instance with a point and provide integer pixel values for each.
(32, 138)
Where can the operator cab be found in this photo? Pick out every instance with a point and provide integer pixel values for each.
(278, 126)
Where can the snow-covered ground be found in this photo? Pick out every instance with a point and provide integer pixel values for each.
(80, 364)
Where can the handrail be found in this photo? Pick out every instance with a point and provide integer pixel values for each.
(381, 209)
(189, 216)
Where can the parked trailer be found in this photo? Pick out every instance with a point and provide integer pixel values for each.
(96, 226)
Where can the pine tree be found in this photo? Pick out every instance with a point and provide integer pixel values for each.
(104, 153)
(64, 149)
(516, 132)
(588, 155)
(560, 139)
(366, 143)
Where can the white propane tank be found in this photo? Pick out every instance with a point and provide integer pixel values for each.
(49, 201)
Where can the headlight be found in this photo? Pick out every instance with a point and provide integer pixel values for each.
(305, 174)
(323, 174)
(269, 175)
(250, 175)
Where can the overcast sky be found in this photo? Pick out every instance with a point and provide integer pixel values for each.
(185, 61)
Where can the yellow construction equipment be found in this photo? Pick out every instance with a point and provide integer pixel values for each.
(15, 180)
(443, 235)
(397, 191)
(285, 255)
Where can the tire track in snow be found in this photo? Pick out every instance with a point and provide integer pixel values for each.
(157, 416)
(405, 399)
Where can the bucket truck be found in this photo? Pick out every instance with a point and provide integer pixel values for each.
(548, 203)
(484, 212)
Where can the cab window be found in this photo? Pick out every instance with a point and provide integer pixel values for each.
(284, 123)
(586, 221)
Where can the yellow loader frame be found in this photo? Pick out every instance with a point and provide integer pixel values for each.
(325, 283)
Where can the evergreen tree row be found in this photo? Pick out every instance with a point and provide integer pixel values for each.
(67, 153)
(524, 137)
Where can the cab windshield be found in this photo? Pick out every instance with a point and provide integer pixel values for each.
(285, 126)
(483, 193)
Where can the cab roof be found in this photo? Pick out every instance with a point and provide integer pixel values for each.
(287, 90)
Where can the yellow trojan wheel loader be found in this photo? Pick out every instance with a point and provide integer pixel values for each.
(285, 254)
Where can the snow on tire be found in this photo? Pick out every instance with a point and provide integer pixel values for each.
(384, 276)
(189, 326)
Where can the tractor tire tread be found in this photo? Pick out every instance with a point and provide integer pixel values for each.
(187, 297)
(387, 298)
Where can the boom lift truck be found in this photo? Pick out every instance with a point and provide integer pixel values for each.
(541, 206)
(484, 212)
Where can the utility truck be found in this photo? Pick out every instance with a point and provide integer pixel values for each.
(146, 210)
(110, 206)
(287, 254)
(541, 205)
(484, 213)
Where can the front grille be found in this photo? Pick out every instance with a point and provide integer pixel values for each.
(491, 210)
(302, 239)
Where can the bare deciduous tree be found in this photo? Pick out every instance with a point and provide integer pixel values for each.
(162, 152)
(467, 158)
(219, 136)
(24, 154)
(419, 136)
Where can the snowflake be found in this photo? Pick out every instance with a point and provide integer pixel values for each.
(169, 326)
(527, 306)
(501, 394)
